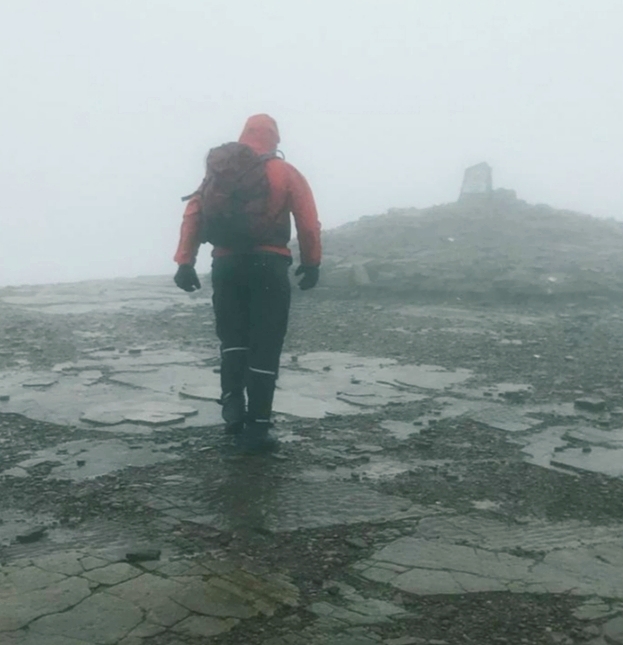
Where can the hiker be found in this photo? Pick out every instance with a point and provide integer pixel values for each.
(243, 209)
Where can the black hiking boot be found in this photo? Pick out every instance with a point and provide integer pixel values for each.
(255, 439)
(233, 413)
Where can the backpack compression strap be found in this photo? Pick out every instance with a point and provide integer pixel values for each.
(278, 154)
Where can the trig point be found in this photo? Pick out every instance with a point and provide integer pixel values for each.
(478, 180)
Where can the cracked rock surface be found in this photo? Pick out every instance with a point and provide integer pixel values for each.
(442, 479)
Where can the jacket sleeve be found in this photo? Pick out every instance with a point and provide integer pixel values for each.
(303, 208)
(190, 234)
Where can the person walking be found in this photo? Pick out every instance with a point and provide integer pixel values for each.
(243, 209)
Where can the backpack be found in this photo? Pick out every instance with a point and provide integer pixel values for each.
(234, 196)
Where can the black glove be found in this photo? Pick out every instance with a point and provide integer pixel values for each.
(186, 278)
(310, 276)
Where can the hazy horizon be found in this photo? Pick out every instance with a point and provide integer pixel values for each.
(109, 108)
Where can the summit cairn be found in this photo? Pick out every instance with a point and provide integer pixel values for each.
(478, 180)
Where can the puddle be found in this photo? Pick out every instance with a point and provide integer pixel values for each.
(85, 459)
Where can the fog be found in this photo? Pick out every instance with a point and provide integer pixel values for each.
(109, 107)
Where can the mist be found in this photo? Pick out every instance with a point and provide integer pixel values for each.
(109, 108)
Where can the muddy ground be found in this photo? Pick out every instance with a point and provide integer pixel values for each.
(477, 499)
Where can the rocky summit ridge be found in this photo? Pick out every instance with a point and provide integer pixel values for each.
(486, 243)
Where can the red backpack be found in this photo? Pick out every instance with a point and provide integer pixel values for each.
(234, 196)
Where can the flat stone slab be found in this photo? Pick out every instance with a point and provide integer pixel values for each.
(305, 505)
(599, 460)
(400, 430)
(155, 596)
(18, 473)
(595, 609)
(190, 597)
(201, 392)
(86, 459)
(596, 436)
(27, 579)
(19, 610)
(428, 377)
(542, 446)
(204, 626)
(101, 619)
(40, 381)
(462, 555)
(164, 377)
(149, 413)
(359, 611)
(113, 574)
(67, 563)
(590, 404)
(14, 523)
(29, 638)
(537, 536)
(504, 418)
(613, 631)
(90, 377)
(155, 418)
(215, 598)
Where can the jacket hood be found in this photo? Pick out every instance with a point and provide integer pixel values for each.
(261, 134)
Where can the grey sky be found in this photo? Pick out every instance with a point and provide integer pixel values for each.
(108, 107)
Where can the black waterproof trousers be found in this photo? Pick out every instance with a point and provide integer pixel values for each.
(251, 298)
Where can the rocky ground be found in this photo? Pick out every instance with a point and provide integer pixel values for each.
(450, 473)
(480, 245)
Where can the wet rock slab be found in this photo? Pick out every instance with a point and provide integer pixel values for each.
(504, 418)
(590, 404)
(101, 619)
(142, 388)
(319, 384)
(462, 555)
(153, 413)
(14, 524)
(40, 381)
(305, 505)
(85, 459)
(598, 460)
(613, 631)
(52, 600)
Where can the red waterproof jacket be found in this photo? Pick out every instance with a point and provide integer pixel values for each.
(289, 194)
